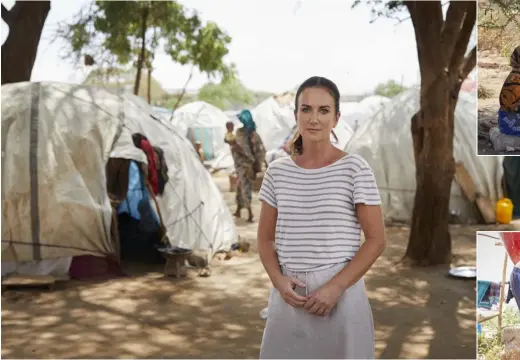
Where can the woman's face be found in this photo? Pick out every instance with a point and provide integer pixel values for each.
(315, 115)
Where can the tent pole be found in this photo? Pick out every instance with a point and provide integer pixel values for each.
(502, 295)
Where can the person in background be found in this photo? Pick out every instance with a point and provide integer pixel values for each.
(509, 112)
(248, 153)
(200, 152)
(230, 137)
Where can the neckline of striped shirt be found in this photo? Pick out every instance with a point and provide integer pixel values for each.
(337, 162)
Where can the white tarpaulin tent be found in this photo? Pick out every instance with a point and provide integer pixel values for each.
(205, 122)
(356, 113)
(385, 142)
(274, 118)
(56, 141)
(274, 121)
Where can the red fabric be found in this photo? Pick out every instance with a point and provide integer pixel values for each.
(512, 245)
(152, 165)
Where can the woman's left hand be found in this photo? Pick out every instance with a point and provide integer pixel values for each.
(323, 300)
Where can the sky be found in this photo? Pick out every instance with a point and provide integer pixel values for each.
(275, 45)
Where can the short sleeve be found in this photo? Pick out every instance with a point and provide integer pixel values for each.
(365, 186)
(267, 191)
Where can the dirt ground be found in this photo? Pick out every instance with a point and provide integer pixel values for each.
(418, 313)
(492, 71)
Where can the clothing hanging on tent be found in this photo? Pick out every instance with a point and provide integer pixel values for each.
(136, 196)
(488, 294)
(162, 170)
(142, 143)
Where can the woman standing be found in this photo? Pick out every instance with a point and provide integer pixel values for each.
(249, 155)
(314, 206)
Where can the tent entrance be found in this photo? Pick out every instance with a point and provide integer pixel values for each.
(137, 239)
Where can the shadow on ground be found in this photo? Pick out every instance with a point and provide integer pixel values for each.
(418, 312)
(146, 316)
(421, 312)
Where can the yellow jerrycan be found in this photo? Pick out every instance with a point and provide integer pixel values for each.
(504, 211)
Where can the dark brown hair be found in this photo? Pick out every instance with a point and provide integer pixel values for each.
(313, 82)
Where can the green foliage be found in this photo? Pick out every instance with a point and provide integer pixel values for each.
(490, 345)
(499, 26)
(173, 99)
(112, 33)
(117, 78)
(229, 93)
(389, 89)
(379, 8)
(499, 14)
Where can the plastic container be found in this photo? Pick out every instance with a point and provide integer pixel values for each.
(504, 211)
(512, 244)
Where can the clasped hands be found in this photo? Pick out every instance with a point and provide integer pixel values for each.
(320, 302)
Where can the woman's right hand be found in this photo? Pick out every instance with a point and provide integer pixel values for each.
(286, 286)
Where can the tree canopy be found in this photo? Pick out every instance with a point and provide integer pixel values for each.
(389, 89)
(227, 94)
(116, 33)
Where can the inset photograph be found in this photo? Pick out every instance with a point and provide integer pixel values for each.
(498, 68)
(498, 295)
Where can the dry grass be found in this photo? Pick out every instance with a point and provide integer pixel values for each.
(484, 93)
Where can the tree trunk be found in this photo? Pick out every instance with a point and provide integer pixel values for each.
(149, 87)
(25, 21)
(441, 45)
(432, 134)
(141, 59)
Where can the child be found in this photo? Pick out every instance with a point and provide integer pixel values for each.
(230, 137)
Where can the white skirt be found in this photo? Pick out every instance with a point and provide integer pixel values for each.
(346, 333)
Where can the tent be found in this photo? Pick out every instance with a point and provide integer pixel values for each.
(274, 121)
(200, 121)
(356, 113)
(56, 142)
(385, 142)
(274, 118)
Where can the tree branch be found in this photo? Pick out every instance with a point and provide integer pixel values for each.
(464, 36)
(427, 32)
(6, 15)
(451, 29)
(183, 92)
(469, 64)
(10, 16)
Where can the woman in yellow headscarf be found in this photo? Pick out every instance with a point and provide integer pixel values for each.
(509, 112)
